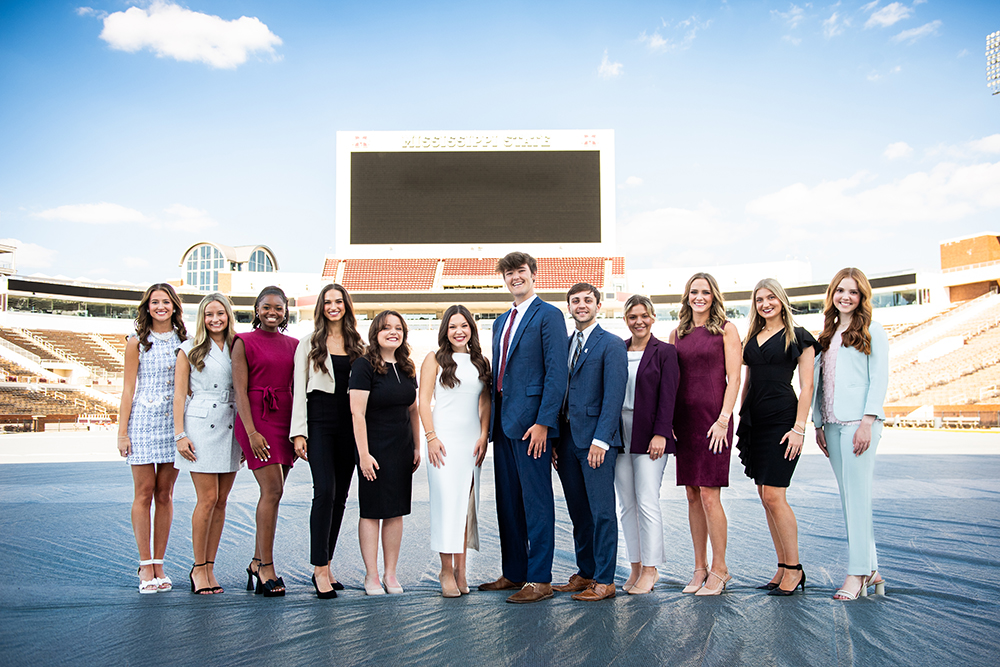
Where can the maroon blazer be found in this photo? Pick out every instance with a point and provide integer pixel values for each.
(655, 395)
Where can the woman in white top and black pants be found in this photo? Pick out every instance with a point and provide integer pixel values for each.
(321, 430)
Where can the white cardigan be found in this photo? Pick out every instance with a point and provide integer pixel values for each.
(304, 380)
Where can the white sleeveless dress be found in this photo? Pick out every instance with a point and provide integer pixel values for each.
(454, 487)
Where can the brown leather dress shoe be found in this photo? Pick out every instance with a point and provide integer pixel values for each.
(576, 583)
(501, 584)
(531, 593)
(596, 592)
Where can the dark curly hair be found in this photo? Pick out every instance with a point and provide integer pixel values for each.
(373, 353)
(267, 291)
(445, 355)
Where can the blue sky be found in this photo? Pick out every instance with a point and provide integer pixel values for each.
(845, 133)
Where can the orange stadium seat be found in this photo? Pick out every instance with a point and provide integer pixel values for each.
(389, 275)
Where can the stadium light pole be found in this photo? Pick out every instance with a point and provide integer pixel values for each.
(993, 61)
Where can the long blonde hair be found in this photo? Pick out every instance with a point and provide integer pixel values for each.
(857, 335)
(757, 322)
(716, 323)
(201, 345)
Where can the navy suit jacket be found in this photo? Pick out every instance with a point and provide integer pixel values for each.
(534, 380)
(597, 390)
(656, 385)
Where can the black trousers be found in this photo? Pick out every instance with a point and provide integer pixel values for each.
(331, 453)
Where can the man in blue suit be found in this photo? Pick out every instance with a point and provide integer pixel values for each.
(529, 380)
(589, 442)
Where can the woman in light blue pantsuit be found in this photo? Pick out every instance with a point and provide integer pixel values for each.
(851, 378)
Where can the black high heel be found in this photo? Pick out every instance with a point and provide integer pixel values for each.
(328, 595)
(215, 589)
(251, 574)
(770, 586)
(802, 582)
(268, 588)
(201, 591)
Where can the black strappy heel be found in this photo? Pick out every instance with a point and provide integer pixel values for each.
(802, 582)
(215, 589)
(201, 591)
(251, 574)
(770, 586)
(268, 588)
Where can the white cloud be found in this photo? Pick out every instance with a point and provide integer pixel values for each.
(897, 150)
(875, 75)
(631, 182)
(31, 255)
(963, 53)
(687, 31)
(681, 237)
(834, 25)
(990, 144)
(914, 34)
(870, 6)
(102, 213)
(172, 31)
(608, 69)
(136, 262)
(655, 42)
(90, 11)
(793, 17)
(947, 193)
(795, 41)
(888, 15)
(188, 219)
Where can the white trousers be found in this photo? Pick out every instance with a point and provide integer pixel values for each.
(854, 477)
(637, 485)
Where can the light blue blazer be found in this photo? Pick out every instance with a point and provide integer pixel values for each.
(861, 381)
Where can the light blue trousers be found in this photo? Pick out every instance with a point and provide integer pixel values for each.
(854, 477)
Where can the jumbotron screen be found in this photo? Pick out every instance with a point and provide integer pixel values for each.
(475, 197)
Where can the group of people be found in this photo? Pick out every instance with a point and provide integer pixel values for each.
(605, 413)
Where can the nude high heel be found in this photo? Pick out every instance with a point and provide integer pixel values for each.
(877, 581)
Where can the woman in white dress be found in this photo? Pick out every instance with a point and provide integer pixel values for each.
(203, 430)
(457, 377)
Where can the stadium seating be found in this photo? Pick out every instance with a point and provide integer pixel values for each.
(21, 400)
(28, 344)
(389, 275)
(81, 348)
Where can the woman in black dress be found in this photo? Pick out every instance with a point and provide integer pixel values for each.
(321, 424)
(383, 391)
(773, 420)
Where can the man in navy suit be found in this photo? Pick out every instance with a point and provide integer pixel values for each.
(589, 442)
(529, 381)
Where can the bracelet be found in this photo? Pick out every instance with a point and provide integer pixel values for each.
(433, 437)
(251, 435)
(723, 420)
(802, 433)
(180, 436)
(429, 434)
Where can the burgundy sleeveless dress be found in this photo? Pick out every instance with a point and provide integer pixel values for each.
(702, 359)
(270, 365)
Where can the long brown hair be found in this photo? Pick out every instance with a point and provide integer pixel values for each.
(716, 323)
(373, 353)
(202, 343)
(353, 344)
(144, 320)
(857, 334)
(445, 355)
(757, 322)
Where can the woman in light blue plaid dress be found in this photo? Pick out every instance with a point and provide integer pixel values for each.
(145, 426)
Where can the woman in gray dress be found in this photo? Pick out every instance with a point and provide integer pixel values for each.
(203, 428)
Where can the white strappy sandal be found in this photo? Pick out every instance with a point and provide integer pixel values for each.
(151, 585)
(163, 584)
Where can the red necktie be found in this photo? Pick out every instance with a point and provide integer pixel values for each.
(503, 354)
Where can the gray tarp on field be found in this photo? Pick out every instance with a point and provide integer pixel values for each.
(68, 585)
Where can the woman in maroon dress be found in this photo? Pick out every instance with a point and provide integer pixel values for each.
(263, 365)
(709, 353)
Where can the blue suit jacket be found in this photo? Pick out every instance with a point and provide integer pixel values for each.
(861, 380)
(597, 390)
(534, 380)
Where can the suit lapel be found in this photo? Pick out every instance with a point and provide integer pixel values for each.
(591, 342)
(647, 354)
(522, 325)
